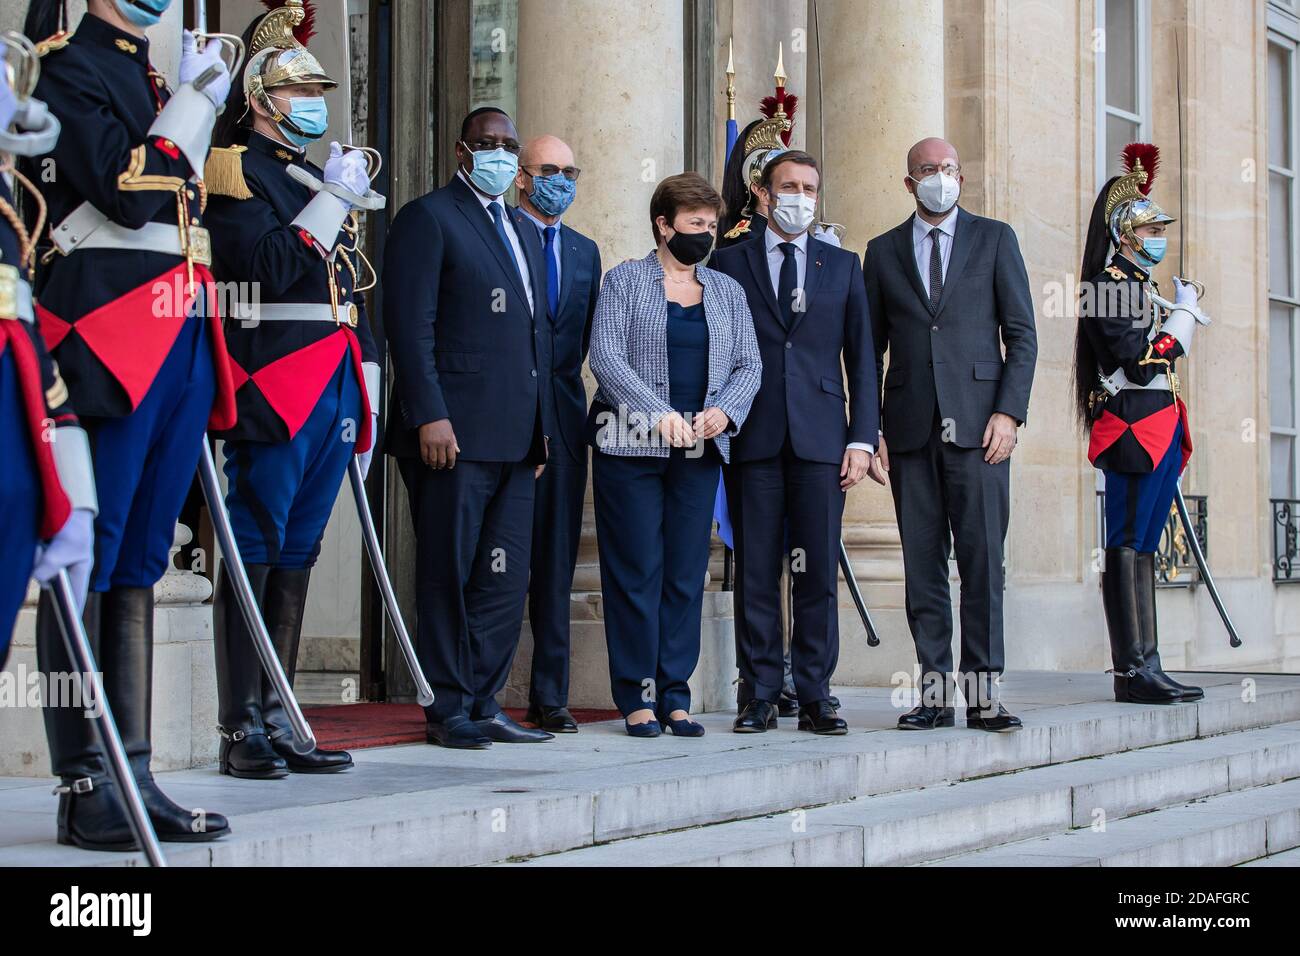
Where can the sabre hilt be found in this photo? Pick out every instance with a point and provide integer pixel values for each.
(371, 201)
(232, 48)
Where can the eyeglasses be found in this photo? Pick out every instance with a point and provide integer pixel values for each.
(948, 169)
(571, 173)
(486, 146)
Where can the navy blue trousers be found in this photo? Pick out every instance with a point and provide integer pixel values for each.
(145, 463)
(653, 519)
(557, 527)
(473, 532)
(280, 494)
(20, 501)
(1137, 506)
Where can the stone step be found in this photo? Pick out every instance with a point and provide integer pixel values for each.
(1221, 831)
(416, 804)
(1285, 858)
(916, 826)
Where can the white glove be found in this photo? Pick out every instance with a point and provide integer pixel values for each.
(8, 102)
(194, 63)
(364, 458)
(72, 549)
(1184, 293)
(347, 170)
(827, 236)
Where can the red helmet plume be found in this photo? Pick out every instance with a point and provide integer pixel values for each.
(1148, 154)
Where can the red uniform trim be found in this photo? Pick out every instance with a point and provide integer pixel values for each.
(167, 147)
(57, 508)
(132, 335)
(1106, 430)
(1153, 433)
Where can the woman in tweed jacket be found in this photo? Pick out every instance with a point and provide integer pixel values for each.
(677, 363)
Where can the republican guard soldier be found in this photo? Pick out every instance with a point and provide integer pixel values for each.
(48, 494)
(125, 307)
(305, 367)
(1127, 397)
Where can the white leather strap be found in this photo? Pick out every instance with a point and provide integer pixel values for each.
(373, 378)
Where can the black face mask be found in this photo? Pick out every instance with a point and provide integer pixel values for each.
(689, 248)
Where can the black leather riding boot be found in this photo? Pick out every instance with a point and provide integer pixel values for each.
(91, 814)
(245, 749)
(283, 607)
(1146, 597)
(126, 659)
(1135, 683)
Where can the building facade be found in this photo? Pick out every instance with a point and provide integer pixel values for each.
(1038, 96)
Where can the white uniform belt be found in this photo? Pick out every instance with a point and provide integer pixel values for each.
(1118, 380)
(286, 312)
(151, 237)
(1159, 383)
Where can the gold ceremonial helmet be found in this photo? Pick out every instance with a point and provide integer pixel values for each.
(276, 58)
(762, 145)
(1128, 205)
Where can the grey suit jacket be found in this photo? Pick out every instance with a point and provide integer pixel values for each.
(949, 361)
(629, 357)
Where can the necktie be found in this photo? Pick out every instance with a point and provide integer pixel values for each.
(552, 271)
(936, 268)
(787, 284)
(497, 213)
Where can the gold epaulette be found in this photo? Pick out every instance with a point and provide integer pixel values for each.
(1115, 272)
(56, 42)
(738, 230)
(223, 173)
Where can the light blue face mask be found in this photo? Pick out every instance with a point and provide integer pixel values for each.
(1152, 251)
(142, 13)
(306, 121)
(494, 170)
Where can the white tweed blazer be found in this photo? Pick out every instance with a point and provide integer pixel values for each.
(629, 355)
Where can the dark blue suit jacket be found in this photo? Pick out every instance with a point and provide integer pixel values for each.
(803, 380)
(463, 342)
(570, 333)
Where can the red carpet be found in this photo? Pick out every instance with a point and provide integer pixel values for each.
(354, 726)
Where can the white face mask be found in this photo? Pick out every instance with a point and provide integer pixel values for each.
(793, 212)
(938, 193)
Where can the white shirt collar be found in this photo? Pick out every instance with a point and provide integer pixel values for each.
(771, 240)
(484, 201)
(921, 228)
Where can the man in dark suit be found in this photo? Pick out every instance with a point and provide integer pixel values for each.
(798, 454)
(950, 302)
(465, 313)
(547, 183)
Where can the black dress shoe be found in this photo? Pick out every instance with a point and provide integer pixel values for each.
(927, 718)
(315, 760)
(995, 720)
(759, 716)
(557, 720)
(458, 732)
(787, 706)
(503, 730)
(835, 702)
(820, 718)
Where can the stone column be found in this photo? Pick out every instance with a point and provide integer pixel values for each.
(622, 112)
(883, 71)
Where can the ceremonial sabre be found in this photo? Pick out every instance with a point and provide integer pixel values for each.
(304, 741)
(1193, 541)
(873, 639)
(1201, 565)
(423, 692)
(119, 768)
